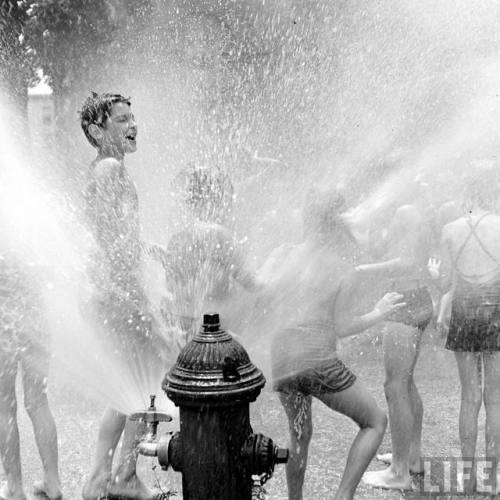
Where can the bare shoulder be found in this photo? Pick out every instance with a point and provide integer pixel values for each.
(495, 218)
(452, 227)
(107, 167)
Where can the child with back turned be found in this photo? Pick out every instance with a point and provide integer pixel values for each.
(471, 272)
(203, 263)
(119, 306)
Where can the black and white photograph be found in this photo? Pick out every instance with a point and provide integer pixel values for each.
(249, 249)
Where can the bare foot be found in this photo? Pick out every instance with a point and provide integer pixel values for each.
(415, 465)
(96, 488)
(44, 490)
(386, 479)
(131, 488)
(7, 493)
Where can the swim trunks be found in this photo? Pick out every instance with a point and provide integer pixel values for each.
(304, 360)
(418, 310)
(330, 376)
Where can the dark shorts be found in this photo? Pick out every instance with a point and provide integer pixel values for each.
(418, 310)
(474, 324)
(329, 376)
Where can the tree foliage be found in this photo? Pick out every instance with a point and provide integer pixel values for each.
(69, 38)
(73, 39)
(17, 67)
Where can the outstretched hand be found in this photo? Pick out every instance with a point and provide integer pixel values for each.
(433, 266)
(389, 303)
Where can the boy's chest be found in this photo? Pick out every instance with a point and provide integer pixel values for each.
(128, 202)
(127, 199)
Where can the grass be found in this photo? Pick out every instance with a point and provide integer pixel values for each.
(77, 420)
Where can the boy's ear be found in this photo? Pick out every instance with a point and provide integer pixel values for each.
(96, 132)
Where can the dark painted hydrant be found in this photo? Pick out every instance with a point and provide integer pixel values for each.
(212, 383)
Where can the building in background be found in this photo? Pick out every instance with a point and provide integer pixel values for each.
(41, 116)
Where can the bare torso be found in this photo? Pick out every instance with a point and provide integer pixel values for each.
(301, 305)
(112, 212)
(304, 287)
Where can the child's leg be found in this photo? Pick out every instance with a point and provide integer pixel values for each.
(298, 410)
(470, 373)
(110, 431)
(401, 348)
(357, 403)
(9, 432)
(35, 365)
(126, 483)
(491, 398)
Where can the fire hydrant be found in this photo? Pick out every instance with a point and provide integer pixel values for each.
(212, 383)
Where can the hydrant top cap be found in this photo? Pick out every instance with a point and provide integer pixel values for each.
(213, 368)
(211, 319)
(211, 322)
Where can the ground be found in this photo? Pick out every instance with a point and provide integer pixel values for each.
(77, 419)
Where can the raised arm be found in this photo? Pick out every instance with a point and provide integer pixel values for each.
(385, 267)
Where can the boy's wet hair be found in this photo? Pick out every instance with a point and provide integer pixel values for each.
(96, 110)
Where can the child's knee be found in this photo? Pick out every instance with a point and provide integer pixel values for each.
(397, 381)
(379, 421)
(472, 397)
(33, 404)
(373, 418)
(491, 396)
(35, 398)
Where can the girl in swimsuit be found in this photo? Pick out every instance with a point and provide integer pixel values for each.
(407, 252)
(471, 269)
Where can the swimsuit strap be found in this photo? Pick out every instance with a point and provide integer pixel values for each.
(474, 234)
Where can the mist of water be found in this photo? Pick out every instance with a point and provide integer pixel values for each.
(372, 97)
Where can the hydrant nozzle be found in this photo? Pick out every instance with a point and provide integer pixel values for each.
(151, 418)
